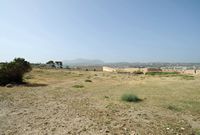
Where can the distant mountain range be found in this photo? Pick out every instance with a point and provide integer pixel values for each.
(82, 62)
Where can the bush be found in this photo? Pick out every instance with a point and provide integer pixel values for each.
(130, 98)
(14, 71)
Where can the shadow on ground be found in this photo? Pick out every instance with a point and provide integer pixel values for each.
(34, 85)
(10, 85)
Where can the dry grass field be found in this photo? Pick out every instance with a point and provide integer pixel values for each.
(61, 102)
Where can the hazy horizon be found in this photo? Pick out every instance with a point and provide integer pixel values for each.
(111, 31)
(105, 62)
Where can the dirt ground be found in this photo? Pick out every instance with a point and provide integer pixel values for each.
(51, 104)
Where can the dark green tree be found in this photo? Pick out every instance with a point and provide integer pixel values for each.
(14, 71)
(51, 63)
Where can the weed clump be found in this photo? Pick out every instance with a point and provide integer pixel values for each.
(130, 98)
(88, 80)
(78, 86)
(106, 96)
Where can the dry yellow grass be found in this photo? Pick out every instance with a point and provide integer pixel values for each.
(51, 105)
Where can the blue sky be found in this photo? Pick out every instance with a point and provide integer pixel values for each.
(110, 30)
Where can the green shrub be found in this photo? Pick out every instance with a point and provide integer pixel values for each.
(130, 98)
(78, 86)
(14, 71)
(88, 80)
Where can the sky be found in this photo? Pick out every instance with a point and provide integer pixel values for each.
(109, 30)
